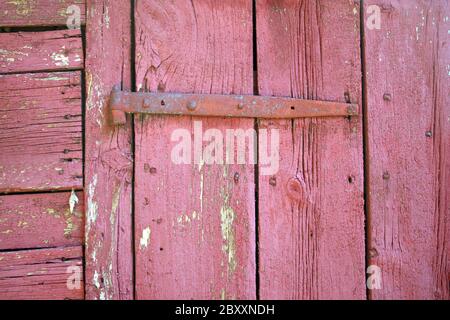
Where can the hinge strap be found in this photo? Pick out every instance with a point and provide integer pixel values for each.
(230, 106)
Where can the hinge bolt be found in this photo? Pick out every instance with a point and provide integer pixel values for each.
(386, 176)
(236, 177)
(428, 134)
(351, 110)
(146, 103)
(240, 106)
(192, 105)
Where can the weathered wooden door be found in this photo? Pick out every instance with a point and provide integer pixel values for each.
(355, 206)
(226, 230)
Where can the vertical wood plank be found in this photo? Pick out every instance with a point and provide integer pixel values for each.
(195, 230)
(311, 216)
(108, 187)
(408, 112)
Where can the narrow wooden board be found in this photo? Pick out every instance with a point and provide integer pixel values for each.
(41, 220)
(41, 274)
(409, 148)
(311, 215)
(41, 51)
(109, 162)
(194, 224)
(40, 132)
(41, 13)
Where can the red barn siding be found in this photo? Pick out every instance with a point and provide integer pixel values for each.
(41, 151)
(211, 232)
(408, 117)
(41, 51)
(201, 222)
(109, 163)
(41, 13)
(311, 215)
(40, 274)
(41, 132)
(41, 220)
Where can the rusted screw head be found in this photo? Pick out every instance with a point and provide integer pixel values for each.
(240, 106)
(192, 105)
(273, 181)
(429, 134)
(386, 176)
(236, 177)
(373, 253)
(387, 97)
(146, 103)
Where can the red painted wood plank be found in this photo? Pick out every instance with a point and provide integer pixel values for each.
(40, 132)
(41, 51)
(41, 274)
(41, 220)
(40, 13)
(408, 114)
(195, 229)
(109, 249)
(311, 216)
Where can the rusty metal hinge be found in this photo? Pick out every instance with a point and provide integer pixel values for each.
(212, 105)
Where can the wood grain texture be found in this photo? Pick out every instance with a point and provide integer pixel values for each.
(108, 164)
(40, 132)
(311, 215)
(41, 51)
(40, 274)
(41, 220)
(194, 224)
(40, 13)
(409, 145)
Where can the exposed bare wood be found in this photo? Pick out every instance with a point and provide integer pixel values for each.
(41, 51)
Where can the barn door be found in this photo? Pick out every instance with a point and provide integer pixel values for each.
(227, 230)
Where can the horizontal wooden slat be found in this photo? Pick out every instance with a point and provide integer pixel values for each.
(41, 274)
(41, 220)
(41, 51)
(38, 13)
(40, 132)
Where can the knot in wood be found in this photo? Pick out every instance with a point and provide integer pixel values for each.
(295, 189)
